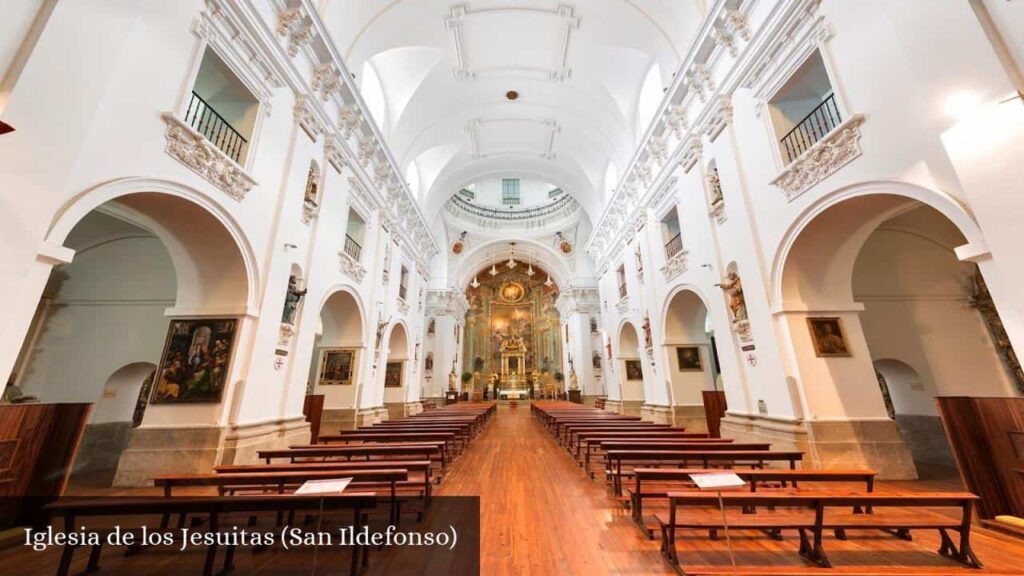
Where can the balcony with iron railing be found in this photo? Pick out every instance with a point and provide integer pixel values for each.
(205, 120)
(674, 246)
(812, 128)
(352, 248)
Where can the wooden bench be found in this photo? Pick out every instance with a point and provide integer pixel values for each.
(422, 451)
(588, 440)
(643, 477)
(816, 512)
(214, 508)
(742, 458)
(230, 483)
(389, 437)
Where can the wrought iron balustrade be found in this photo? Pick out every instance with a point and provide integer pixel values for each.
(352, 248)
(674, 246)
(205, 120)
(819, 122)
(511, 214)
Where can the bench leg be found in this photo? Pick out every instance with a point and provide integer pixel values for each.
(94, 559)
(229, 561)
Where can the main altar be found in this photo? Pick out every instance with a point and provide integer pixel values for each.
(513, 369)
(512, 342)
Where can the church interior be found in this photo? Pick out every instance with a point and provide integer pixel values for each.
(590, 286)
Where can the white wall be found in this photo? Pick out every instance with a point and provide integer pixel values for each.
(917, 311)
(106, 312)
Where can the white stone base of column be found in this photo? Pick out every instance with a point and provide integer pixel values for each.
(656, 414)
(158, 450)
(613, 406)
(689, 416)
(335, 420)
(371, 416)
(631, 407)
(874, 444)
(397, 410)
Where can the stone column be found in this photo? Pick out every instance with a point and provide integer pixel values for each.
(448, 309)
(576, 307)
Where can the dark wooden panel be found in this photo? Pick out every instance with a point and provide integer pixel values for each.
(979, 433)
(313, 409)
(714, 411)
(39, 442)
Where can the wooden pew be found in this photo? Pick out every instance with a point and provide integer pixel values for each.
(418, 467)
(657, 446)
(817, 512)
(754, 478)
(214, 508)
(229, 484)
(585, 441)
(386, 436)
(755, 458)
(421, 450)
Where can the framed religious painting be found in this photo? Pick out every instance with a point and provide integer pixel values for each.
(393, 375)
(828, 337)
(688, 359)
(634, 371)
(194, 366)
(336, 366)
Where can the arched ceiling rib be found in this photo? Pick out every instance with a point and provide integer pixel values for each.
(444, 68)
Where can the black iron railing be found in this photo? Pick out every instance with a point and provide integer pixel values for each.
(205, 120)
(511, 213)
(822, 120)
(352, 248)
(674, 246)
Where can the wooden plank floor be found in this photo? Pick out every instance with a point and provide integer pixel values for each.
(541, 515)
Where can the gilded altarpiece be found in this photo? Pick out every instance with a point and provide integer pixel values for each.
(507, 309)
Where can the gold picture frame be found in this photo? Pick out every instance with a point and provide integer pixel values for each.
(828, 337)
(337, 365)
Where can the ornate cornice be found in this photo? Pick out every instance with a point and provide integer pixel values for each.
(193, 150)
(837, 149)
(448, 302)
(351, 267)
(676, 265)
(578, 301)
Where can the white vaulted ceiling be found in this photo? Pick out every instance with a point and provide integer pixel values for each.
(436, 73)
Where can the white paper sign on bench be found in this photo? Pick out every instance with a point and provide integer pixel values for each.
(329, 486)
(717, 481)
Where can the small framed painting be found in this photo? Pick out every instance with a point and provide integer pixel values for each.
(828, 337)
(194, 365)
(393, 375)
(634, 371)
(688, 358)
(336, 366)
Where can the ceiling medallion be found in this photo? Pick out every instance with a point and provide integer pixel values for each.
(511, 95)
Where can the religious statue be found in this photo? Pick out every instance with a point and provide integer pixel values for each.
(574, 381)
(381, 326)
(647, 332)
(453, 378)
(737, 303)
(292, 300)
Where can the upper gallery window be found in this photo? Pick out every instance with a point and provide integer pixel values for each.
(670, 234)
(221, 108)
(621, 273)
(804, 110)
(403, 283)
(510, 192)
(354, 235)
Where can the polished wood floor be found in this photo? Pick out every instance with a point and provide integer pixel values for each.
(540, 514)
